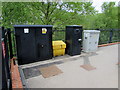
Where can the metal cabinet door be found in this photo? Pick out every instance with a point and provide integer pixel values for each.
(77, 41)
(25, 40)
(44, 43)
(92, 42)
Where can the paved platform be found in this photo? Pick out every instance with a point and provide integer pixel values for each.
(104, 76)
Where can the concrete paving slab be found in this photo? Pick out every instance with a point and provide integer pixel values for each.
(104, 76)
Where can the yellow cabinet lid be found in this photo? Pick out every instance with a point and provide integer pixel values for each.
(58, 44)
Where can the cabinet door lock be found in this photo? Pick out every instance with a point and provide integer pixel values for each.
(42, 46)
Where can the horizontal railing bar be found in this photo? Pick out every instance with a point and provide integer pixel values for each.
(90, 29)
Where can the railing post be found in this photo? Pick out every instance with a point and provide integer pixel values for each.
(10, 43)
(0, 58)
(111, 34)
(4, 78)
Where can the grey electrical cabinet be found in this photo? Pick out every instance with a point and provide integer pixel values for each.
(90, 40)
(73, 39)
(34, 43)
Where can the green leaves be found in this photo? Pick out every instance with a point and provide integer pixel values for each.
(15, 13)
(60, 14)
(57, 14)
(108, 18)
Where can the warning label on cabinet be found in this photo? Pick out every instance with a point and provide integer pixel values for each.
(26, 30)
(44, 30)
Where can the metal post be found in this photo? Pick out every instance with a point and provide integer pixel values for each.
(14, 44)
(7, 60)
(111, 34)
(4, 79)
(11, 54)
(0, 59)
(10, 43)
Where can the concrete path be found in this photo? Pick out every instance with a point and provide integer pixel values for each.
(104, 76)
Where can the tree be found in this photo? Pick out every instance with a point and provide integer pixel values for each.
(15, 13)
(55, 13)
(110, 12)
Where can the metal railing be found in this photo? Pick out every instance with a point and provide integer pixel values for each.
(6, 56)
(9, 47)
(106, 35)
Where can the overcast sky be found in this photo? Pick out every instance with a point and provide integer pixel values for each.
(97, 3)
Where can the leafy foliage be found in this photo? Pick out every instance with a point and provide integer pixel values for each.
(57, 14)
(60, 14)
(109, 18)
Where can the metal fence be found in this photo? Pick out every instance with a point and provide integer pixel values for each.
(106, 35)
(9, 47)
(6, 56)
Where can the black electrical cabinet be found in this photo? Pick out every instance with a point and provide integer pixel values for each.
(73, 39)
(33, 42)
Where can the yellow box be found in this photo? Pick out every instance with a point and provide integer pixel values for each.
(58, 52)
(58, 48)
